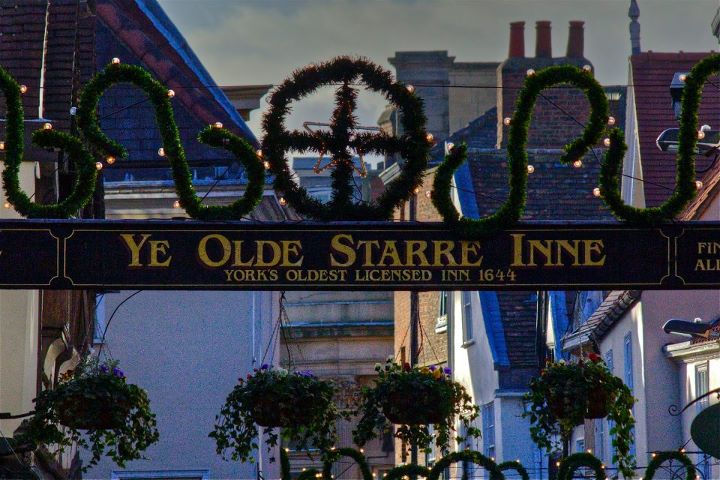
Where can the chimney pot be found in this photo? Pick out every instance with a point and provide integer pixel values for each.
(543, 44)
(576, 39)
(517, 40)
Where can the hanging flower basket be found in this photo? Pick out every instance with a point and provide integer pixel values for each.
(565, 394)
(100, 411)
(97, 412)
(413, 399)
(298, 405)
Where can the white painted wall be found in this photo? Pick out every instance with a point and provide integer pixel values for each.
(187, 349)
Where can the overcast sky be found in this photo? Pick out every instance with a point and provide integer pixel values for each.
(262, 41)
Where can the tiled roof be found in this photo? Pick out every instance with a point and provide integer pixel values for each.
(518, 310)
(555, 191)
(651, 74)
(611, 309)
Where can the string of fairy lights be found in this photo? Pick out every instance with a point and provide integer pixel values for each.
(578, 163)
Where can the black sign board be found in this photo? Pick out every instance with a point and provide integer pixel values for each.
(360, 256)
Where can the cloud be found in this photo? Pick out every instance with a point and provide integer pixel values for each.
(249, 41)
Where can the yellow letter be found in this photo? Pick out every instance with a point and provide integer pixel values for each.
(134, 247)
(202, 250)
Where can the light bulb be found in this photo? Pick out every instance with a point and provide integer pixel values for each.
(161, 151)
(7, 204)
(2, 145)
(98, 165)
(698, 184)
(110, 160)
(530, 169)
(115, 61)
(683, 77)
(701, 134)
(171, 93)
(596, 192)
(450, 146)
(259, 153)
(577, 163)
(176, 204)
(218, 125)
(430, 138)
(47, 126)
(23, 88)
(417, 190)
(266, 164)
(587, 68)
(606, 142)
(507, 121)
(410, 88)
(530, 72)
(282, 201)
(611, 120)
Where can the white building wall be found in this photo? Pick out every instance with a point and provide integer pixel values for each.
(19, 324)
(187, 349)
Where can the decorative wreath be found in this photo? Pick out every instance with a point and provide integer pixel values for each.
(511, 211)
(160, 97)
(46, 138)
(413, 145)
(661, 457)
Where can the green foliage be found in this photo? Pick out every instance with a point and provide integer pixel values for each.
(414, 398)
(89, 125)
(477, 458)
(560, 399)
(46, 138)
(350, 453)
(94, 392)
(569, 465)
(658, 458)
(685, 188)
(297, 406)
(511, 210)
(412, 145)
(515, 465)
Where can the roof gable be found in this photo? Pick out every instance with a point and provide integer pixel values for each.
(650, 77)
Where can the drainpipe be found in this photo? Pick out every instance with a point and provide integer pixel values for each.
(414, 323)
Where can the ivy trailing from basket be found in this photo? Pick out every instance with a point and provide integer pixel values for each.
(564, 395)
(511, 210)
(82, 161)
(658, 458)
(99, 410)
(297, 406)
(413, 145)
(413, 398)
(159, 96)
(569, 465)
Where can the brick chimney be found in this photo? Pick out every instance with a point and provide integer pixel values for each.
(543, 44)
(576, 39)
(517, 40)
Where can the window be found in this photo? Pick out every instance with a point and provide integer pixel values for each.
(441, 324)
(160, 474)
(701, 385)
(629, 374)
(467, 317)
(488, 429)
(600, 439)
(580, 445)
(611, 366)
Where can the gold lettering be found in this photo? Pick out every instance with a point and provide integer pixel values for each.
(203, 254)
(594, 246)
(134, 247)
(337, 246)
(466, 249)
(416, 249)
(517, 250)
(262, 261)
(291, 247)
(157, 248)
